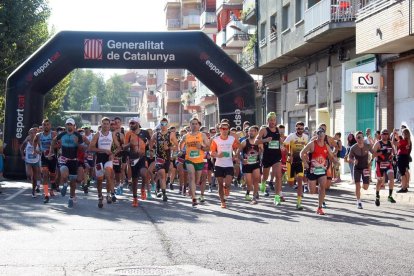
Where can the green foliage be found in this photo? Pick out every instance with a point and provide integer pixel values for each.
(117, 91)
(252, 42)
(54, 99)
(23, 29)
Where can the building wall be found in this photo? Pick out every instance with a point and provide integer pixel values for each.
(404, 93)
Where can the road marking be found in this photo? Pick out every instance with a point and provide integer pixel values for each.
(16, 194)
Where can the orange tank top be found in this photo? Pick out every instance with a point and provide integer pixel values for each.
(192, 153)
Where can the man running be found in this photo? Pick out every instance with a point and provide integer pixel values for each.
(164, 142)
(136, 140)
(295, 142)
(105, 144)
(358, 155)
(43, 140)
(269, 136)
(385, 155)
(317, 164)
(70, 140)
(120, 158)
(195, 144)
(251, 163)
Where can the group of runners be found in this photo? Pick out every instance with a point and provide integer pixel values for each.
(197, 156)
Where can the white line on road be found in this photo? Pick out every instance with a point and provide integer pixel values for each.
(16, 194)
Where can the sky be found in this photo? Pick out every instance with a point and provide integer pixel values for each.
(107, 15)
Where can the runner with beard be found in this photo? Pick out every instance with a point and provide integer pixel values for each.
(136, 140)
(120, 158)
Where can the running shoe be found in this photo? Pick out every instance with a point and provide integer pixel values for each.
(271, 185)
(64, 190)
(114, 199)
(320, 211)
(305, 189)
(121, 189)
(210, 189)
(223, 205)
(108, 199)
(359, 205)
(149, 196)
(164, 198)
(46, 200)
(277, 200)
(100, 202)
(118, 191)
(135, 202)
(33, 194)
(247, 197)
(377, 201)
(159, 194)
(391, 199)
(299, 206)
(263, 187)
(70, 203)
(266, 192)
(143, 195)
(254, 201)
(194, 202)
(324, 205)
(402, 191)
(201, 198)
(85, 189)
(171, 187)
(282, 198)
(153, 187)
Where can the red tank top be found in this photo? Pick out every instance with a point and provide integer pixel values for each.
(319, 156)
(403, 147)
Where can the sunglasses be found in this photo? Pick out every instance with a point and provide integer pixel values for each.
(300, 128)
(384, 133)
(360, 137)
(224, 128)
(132, 123)
(69, 124)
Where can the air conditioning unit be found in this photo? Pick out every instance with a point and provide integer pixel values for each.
(302, 83)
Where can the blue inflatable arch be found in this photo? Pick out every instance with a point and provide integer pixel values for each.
(68, 50)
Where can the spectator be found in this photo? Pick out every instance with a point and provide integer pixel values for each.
(350, 142)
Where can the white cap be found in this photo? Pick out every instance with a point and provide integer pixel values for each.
(70, 121)
(134, 119)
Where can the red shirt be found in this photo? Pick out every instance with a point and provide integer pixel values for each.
(403, 147)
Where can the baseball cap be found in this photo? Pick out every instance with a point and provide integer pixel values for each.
(70, 121)
(135, 120)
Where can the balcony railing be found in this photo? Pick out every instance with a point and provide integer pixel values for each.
(369, 7)
(173, 95)
(262, 42)
(173, 24)
(207, 19)
(191, 21)
(272, 36)
(247, 59)
(236, 34)
(329, 11)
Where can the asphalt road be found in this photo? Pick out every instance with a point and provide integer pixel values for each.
(174, 238)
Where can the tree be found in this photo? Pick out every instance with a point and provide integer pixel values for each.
(23, 29)
(117, 91)
(54, 99)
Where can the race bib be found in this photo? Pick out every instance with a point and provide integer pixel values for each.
(226, 154)
(160, 161)
(366, 172)
(252, 159)
(116, 162)
(384, 165)
(319, 171)
(194, 153)
(274, 145)
(89, 157)
(62, 160)
(180, 160)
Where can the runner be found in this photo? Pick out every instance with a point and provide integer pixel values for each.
(385, 154)
(90, 160)
(136, 140)
(224, 148)
(68, 161)
(358, 156)
(195, 144)
(31, 157)
(295, 142)
(320, 152)
(120, 158)
(250, 154)
(106, 145)
(43, 141)
(269, 136)
(164, 142)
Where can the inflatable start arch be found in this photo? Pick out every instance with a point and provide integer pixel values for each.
(68, 50)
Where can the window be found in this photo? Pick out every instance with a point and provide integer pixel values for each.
(285, 17)
(273, 26)
(262, 30)
(299, 10)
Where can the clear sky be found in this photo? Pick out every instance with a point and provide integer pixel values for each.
(108, 15)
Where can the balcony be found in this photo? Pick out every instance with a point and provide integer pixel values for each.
(191, 22)
(173, 24)
(221, 39)
(174, 73)
(385, 26)
(330, 21)
(208, 21)
(173, 96)
(185, 2)
(247, 60)
(236, 34)
(228, 4)
(188, 76)
(206, 100)
(249, 12)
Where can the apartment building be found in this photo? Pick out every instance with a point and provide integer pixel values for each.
(385, 28)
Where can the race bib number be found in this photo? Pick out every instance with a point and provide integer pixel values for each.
(226, 154)
(319, 171)
(252, 159)
(384, 165)
(194, 153)
(62, 160)
(366, 172)
(89, 157)
(116, 162)
(274, 145)
(160, 161)
(180, 160)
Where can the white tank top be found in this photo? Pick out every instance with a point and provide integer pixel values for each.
(105, 141)
(30, 156)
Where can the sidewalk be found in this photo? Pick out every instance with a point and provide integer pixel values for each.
(347, 184)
